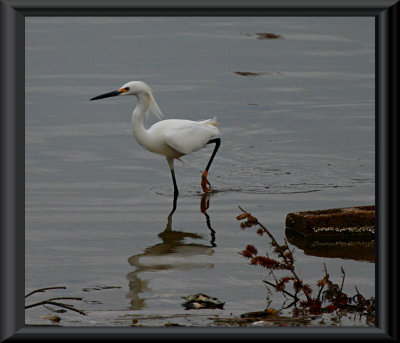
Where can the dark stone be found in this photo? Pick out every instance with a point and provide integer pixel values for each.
(339, 224)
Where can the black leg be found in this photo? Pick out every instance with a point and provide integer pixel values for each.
(173, 207)
(170, 161)
(217, 142)
(176, 192)
(204, 180)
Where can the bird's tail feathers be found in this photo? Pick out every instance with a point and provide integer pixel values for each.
(213, 122)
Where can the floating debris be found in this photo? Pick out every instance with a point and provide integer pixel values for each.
(172, 324)
(201, 301)
(268, 36)
(339, 224)
(99, 288)
(270, 321)
(268, 312)
(53, 318)
(262, 323)
(247, 73)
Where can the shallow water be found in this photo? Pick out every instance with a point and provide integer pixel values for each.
(297, 134)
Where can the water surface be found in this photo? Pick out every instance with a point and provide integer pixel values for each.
(296, 116)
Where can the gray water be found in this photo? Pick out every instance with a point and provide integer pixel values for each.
(297, 135)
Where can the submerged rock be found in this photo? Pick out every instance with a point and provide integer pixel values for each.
(339, 224)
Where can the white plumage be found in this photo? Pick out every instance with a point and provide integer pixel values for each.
(183, 136)
(172, 138)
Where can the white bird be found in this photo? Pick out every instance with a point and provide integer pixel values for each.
(172, 138)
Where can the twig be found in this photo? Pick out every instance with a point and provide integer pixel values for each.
(326, 271)
(59, 298)
(44, 289)
(65, 298)
(284, 291)
(290, 305)
(344, 275)
(323, 285)
(69, 307)
(319, 292)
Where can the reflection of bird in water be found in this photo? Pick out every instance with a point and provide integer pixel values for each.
(172, 245)
(172, 138)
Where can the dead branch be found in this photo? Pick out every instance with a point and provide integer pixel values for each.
(49, 302)
(44, 289)
(344, 275)
(65, 298)
(283, 290)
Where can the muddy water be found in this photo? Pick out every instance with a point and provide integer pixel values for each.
(296, 114)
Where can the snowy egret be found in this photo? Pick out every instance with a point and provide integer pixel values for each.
(172, 138)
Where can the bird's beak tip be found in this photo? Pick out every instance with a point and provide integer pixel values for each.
(107, 95)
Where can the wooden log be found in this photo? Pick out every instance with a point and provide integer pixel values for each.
(338, 224)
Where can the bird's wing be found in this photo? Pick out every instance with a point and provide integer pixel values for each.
(188, 136)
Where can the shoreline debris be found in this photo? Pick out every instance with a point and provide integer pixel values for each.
(202, 301)
(327, 297)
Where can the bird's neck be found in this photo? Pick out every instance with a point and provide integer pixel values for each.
(138, 114)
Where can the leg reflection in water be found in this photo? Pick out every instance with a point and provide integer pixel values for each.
(204, 205)
(181, 255)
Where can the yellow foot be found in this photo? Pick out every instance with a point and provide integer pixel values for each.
(205, 182)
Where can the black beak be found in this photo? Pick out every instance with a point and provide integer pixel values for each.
(106, 95)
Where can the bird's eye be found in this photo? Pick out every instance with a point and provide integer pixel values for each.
(126, 89)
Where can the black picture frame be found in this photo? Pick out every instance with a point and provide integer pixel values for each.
(12, 15)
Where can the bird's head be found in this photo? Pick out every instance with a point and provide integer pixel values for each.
(135, 88)
(130, 88)
(138, 88)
